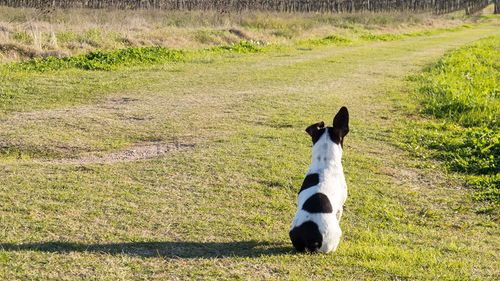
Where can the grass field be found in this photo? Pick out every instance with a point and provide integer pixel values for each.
(190, 169)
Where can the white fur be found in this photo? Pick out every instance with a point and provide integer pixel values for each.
(326, 161)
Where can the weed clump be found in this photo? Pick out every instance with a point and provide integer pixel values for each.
(381, 37)
(240, 47)
(328, 40)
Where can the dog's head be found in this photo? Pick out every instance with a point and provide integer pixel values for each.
(328, 141)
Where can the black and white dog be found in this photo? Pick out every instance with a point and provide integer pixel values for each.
(324, 190)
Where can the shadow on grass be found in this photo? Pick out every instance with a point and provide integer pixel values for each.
(172, 250)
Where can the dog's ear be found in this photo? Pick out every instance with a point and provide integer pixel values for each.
(311, 130)
(340, 125)
(314, 130)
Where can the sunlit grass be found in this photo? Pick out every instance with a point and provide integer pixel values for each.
(462, 91)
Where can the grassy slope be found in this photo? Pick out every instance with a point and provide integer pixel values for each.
(461, 91)
(222, 209)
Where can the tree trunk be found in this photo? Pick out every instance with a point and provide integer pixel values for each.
(497, 7)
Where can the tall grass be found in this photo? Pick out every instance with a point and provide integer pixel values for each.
(463, 86)
(462, 91)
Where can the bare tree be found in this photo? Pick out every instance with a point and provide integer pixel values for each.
(336, 6)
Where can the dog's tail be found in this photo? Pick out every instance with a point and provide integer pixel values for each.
(306, 236)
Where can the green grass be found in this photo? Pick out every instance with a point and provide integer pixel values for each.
(221, 209)
(112, 60)
(103, 60)
(462, 91)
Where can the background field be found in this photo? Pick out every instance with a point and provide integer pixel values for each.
(189, 168)
(30, 33)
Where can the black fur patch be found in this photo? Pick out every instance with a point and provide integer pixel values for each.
(318, 203)
(317, 135)
(306, 236)
(309, 180)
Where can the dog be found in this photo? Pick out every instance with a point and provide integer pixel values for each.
(315, 227)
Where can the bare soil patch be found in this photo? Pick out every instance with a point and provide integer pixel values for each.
(137, 152)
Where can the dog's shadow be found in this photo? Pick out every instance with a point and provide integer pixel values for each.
(172, 250)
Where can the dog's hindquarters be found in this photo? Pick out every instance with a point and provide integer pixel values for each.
(306, 236)
(331, 236)
(315, 232)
